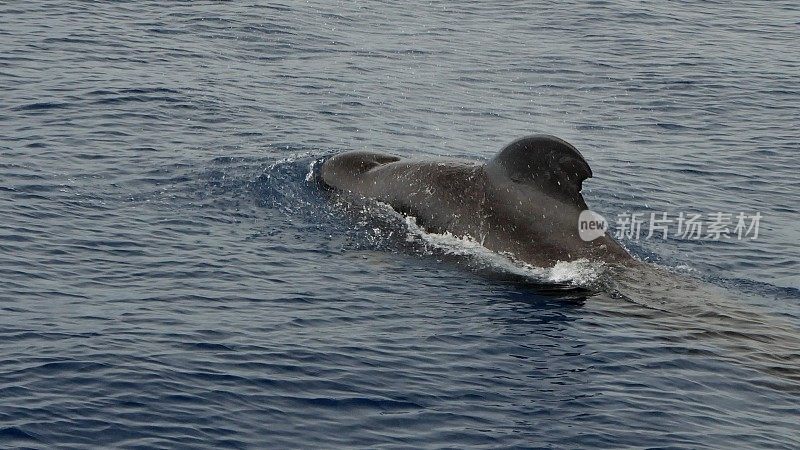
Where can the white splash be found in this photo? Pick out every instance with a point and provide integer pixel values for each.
(311, 166)
(579, 273)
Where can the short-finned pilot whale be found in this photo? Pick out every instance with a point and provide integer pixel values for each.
(526, 201)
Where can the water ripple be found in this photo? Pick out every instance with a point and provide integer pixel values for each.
(171, 273)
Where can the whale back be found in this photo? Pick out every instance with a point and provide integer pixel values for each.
(546, 163)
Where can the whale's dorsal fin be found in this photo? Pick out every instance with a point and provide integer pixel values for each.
(546, 162)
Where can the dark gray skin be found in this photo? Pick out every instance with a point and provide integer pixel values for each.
(525, 201)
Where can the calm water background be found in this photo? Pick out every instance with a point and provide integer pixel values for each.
(168, 277)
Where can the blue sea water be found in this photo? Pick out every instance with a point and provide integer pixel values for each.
(171, 275)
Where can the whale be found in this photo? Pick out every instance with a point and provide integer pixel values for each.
(525, 202)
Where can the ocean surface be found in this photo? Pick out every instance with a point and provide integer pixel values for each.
(173, 275)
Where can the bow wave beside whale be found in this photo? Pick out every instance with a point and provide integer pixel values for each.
(526, 201)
